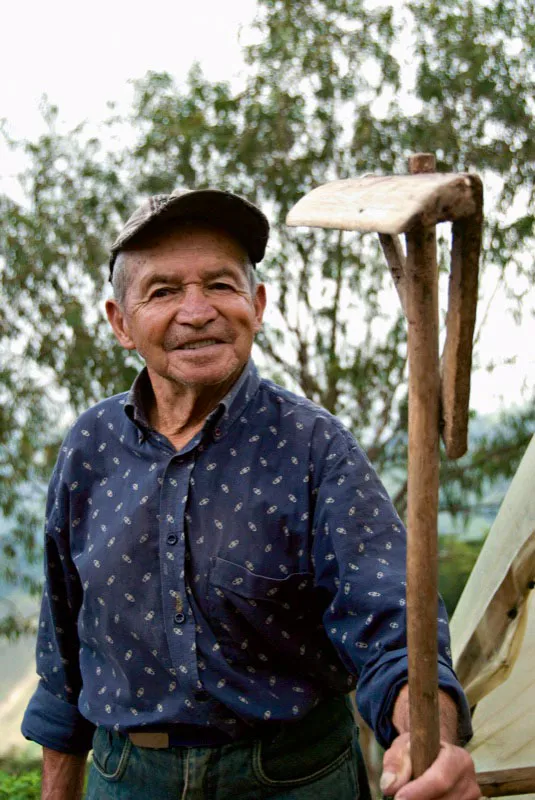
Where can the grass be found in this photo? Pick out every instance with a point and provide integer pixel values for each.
(20, 779)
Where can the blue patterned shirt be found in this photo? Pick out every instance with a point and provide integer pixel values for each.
(234, 583)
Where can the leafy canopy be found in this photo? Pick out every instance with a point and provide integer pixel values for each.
(333, 89)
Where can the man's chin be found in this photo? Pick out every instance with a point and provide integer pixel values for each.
(205, 375)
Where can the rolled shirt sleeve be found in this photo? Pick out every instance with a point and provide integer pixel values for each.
(56, 723)
(360, 558)
(52, 718)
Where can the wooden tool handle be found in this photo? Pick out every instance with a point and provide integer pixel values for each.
(423, 475)
(507, 782)
(422, 162)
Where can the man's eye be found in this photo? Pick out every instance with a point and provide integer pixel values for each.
(222, 286)
(162, 292)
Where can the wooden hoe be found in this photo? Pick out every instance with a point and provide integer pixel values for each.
(438, 389)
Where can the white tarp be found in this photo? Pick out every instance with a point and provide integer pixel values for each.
(493, 632)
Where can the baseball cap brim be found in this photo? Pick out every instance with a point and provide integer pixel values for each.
(234, 214)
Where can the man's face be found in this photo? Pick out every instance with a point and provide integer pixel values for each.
(188, 309)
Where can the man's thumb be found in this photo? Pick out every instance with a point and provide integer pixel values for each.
(397, 767)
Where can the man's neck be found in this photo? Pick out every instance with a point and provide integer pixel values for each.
(179, 412)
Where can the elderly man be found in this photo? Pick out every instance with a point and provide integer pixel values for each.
(223, 566)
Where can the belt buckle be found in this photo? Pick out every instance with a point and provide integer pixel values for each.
(153, 740)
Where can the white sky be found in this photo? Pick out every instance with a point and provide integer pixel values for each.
(83, 56)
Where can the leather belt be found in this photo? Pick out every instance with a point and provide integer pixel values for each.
(153, 740)
(179, 736)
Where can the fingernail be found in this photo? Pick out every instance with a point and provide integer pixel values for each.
(387, 779)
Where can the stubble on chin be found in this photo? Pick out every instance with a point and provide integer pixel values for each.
(203, 377)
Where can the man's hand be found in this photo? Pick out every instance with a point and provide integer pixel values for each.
(452, 775)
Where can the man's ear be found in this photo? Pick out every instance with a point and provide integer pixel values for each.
(259, 305)
(117, 320)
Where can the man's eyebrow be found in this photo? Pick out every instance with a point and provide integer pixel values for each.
(159, 277)
(222, 272)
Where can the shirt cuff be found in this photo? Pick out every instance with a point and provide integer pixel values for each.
(56, 724)
(377, 693)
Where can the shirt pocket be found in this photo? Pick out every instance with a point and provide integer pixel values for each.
(259, 617)
(238, 580)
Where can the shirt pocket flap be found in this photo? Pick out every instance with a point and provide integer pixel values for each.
(234, 578)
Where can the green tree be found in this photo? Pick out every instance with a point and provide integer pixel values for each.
(326, 95)
(456, 561)
(56, 355)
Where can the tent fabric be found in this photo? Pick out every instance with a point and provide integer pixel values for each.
(504, 721)
(488, 625)
(493, 633)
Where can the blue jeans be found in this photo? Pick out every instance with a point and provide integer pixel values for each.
(301, 762)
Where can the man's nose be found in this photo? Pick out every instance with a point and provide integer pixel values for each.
(195, 307)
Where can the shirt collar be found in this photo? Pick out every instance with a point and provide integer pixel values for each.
(138, 399)
(218, 421)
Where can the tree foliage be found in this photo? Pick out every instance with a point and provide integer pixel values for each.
(332, 89)
(456, 561)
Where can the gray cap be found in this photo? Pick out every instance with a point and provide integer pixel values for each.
(244, 221)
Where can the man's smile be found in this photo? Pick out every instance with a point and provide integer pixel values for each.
(195, 344)
(198, 344)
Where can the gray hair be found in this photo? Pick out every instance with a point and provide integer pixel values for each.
(121, 277)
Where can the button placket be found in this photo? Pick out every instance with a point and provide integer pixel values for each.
(179, 624)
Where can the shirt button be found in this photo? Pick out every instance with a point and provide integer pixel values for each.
(179, 618)
(172, 538)
(217, 433)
